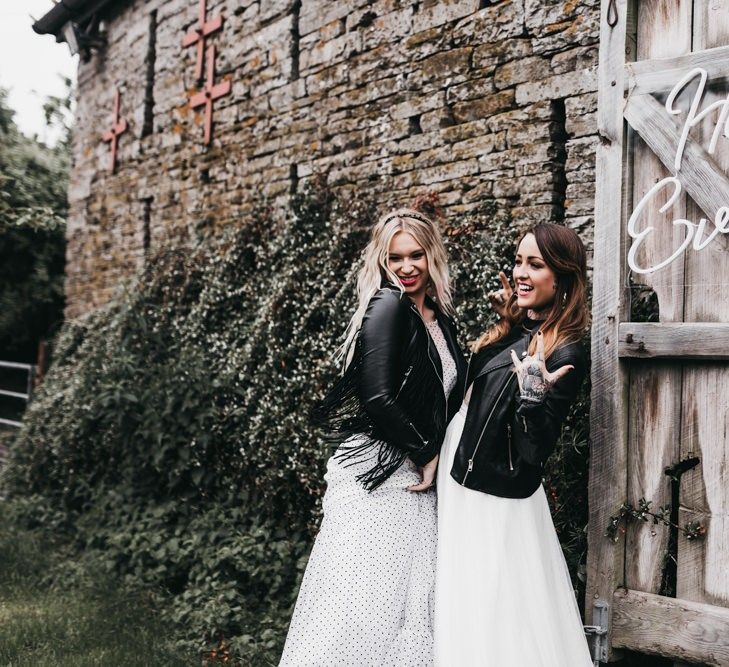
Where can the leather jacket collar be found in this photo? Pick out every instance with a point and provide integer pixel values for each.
(447, 325)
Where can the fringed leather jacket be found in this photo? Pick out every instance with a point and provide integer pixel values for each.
(505, 442)
(391, 395)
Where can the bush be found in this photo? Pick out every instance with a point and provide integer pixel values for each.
(171, 434)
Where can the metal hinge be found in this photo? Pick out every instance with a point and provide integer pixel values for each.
(599, 632)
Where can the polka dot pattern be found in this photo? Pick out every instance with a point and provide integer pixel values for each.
(366, 599)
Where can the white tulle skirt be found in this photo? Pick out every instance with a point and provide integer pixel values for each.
(503, 592)
(366, 599)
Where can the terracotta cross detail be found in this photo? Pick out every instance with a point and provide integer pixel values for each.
(210, 93)
(198, 35)
(117, 129)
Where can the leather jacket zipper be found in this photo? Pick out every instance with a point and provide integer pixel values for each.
(483, 430)
(404, 380)
(465, 383)
(508, 432)
(435, 368)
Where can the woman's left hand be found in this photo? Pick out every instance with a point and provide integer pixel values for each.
(428, 472)
(533, 376)
(499, 299)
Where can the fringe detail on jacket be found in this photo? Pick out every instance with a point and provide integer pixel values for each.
(342, 417)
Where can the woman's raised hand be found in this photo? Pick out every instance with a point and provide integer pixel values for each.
(500, 297)
(532, 374)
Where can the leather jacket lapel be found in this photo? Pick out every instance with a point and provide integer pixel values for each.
(503, 358)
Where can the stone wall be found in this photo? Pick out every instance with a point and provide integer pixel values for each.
(476, 99)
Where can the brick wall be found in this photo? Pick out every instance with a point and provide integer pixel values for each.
(474, 99)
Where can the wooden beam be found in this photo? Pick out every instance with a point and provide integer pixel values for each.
(661, 74)
(608, 421)
(703, 565)
(672, 628)
(702, 178)
(663, 30)
(685, 340)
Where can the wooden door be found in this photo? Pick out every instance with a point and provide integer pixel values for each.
(660, 388)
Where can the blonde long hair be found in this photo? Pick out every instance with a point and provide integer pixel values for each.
(375, 266)
(569, 316)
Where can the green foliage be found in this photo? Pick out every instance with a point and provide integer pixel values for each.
(55, 614)
(171, 436)
(33, 182)
(565, 481)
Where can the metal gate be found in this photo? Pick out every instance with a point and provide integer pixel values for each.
(30, 370)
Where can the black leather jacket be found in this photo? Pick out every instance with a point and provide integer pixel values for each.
(505, 442)
(391, 396)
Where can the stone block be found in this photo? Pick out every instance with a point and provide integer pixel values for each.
(498, 22)
(582, 57)
(314, 14)
(437, 119)
(530, 134)
(532, 69)
(557, 87)
(472, 89)
(581, 126)
(437, 174)
(443, 12)
(452, 65)
(326, 53)
(517, 118)
(417, 105)
(483, 107)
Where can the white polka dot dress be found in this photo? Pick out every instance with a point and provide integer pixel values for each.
(366, 599)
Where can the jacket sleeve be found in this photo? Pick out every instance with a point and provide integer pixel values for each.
(382, 339)
(540, 424)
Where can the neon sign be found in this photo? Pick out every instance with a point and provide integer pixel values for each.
(694, 232)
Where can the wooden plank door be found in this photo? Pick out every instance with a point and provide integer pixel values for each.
(661, 387)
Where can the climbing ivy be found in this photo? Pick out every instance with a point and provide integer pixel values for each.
(170, 440)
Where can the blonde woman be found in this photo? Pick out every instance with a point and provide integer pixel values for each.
(366, 597)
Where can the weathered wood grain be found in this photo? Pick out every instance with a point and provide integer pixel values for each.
(703, 566)
(608, 483)
(672, 628)
(659, 75)
(654, 428)
(663, 30)
(685, 340)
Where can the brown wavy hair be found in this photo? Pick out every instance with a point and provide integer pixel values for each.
(569, 316)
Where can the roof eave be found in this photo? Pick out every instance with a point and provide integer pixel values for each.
(53, 22)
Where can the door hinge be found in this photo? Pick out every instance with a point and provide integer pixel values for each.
(599, 632)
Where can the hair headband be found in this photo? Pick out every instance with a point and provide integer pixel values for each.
(416, 216)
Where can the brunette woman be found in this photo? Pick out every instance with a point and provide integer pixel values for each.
(503, 591)
(366, 596)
